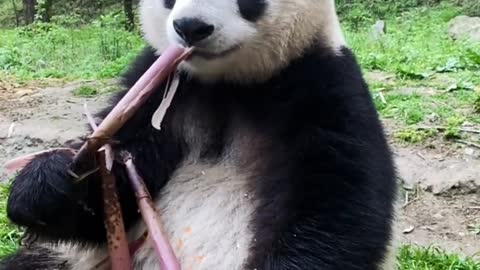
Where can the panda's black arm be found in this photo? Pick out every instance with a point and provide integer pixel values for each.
(334, 184)
(45, 200)
(335, 209)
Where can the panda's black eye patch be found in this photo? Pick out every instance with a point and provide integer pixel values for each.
(169, 3)
(252, 10)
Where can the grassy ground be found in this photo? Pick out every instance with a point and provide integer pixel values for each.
(96, 51)
(412, 258)
(426, 80)
(434, 80)
(9, 234)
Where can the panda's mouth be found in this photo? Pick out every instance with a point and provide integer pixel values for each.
(209, 55)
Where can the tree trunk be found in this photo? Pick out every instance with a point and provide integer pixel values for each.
(45, 10)
(17, 16)
(128, 7)
(29, 10)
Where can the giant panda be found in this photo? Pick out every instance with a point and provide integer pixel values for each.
(271, 156)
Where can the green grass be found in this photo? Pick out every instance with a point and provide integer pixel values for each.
(7, 16)
(411, 135)
(419, 54)
(449, 110)
(85, 91)
(413, 258)
(409, 108)
(417, 45)
(9, 234)
(42, 51)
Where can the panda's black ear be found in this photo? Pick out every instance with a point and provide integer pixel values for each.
(251, 10)
(169, 3)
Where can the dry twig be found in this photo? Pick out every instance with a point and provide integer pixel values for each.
(442, 128)
(382, 98)
(410, 202)
(472, 144)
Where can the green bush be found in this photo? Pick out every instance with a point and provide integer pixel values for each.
(50, 50)
(360, 12)
(471, 7)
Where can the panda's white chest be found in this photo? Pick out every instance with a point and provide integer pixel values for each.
(206, 209)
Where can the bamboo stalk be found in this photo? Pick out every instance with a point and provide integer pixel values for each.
(116, 236)
(165, 253)
(130, 103)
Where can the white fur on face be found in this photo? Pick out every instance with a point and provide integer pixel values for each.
(286, 29)
(230, 29)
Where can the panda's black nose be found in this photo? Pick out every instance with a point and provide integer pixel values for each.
(192, 30)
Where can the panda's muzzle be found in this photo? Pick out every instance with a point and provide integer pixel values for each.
(192, 30)
(213, 55)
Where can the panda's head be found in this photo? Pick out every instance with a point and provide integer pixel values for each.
(241, 40)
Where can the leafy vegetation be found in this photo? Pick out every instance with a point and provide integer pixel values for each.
(413, 258)
(52, 50)
(435, 78)
(361, 12)
(85, 91)
(9, 234)
(412, 135)
(417, 47)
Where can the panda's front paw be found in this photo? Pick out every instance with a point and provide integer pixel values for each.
(45, 199)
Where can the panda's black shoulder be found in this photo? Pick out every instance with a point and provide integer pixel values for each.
(331, 84)
(133, 72)
(138, 66)
(326, 97)
(319, 89)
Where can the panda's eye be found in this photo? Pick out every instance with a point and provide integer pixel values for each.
(169, 3)
(252, 10)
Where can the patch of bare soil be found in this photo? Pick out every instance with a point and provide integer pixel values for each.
(449, 222)
(440, 199)
(33, 119)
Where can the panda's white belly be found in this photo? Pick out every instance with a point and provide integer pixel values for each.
(206, 209)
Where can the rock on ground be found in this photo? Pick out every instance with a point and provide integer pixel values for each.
(465, 27)
(437, 173)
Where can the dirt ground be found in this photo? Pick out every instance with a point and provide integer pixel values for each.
(439, 203)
